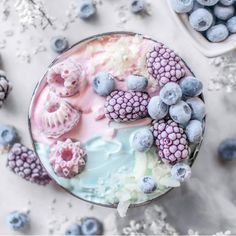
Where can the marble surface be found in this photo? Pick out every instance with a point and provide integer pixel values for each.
(206, 203)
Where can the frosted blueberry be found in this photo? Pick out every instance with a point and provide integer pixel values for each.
(231, 25)
(180, 112)
(201, 19)
(194, 131)
(208, 2)
(191, 86)
(217, 33)
(91, 226)
(8, 135)
(103, 83)
(17, 221)
(137, 6)
(227, 150)
(147, 184)
(74, 229)
(181, 171)
(142, 140)
(59, 44)
(86, 9)
(136, 83)
(171, 93)
(157, 109)
(227, 2)
(182, 6)
(223, 12)
(198, 108)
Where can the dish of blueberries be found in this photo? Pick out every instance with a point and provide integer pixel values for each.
(212, 23)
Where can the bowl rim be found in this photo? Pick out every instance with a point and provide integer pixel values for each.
(39, 83)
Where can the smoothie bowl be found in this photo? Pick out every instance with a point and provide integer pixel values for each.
(118, 120)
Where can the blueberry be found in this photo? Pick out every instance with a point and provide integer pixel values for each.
(231, 25)
(59, 44)
(198, 108)
(182, 6)
(201, 19)
(103, 83)
(142, 140)
(217, 33)
(181, 171)
(223, 12)
(136, 83)
(194, 131)
(8, 135)
(227, 2)
(74, 229)
(157, 109)
(137, 6)
(87, 9)
(171, 93)
(208, 2)
(91, 226)
(196, 5)
(180, 112)
(17, 221)
(147, 184)
(227, 150)
(191, 86)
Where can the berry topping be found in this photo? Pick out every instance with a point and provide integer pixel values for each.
(86, 9)
(198, 108)
(103, 83)
(74, 229)
(171, 141)
(67, 158)
(164, 65)
(5, 88)
(122, 106)
(227, 2)
(181, 171)
(147, 184)
(227, 150)
(171, 93)
(137, 6)
(137, 83)
(59, 44)
(181, 6)
(91, 226)
(208, 2)
(25, 163)
(223, 12)
(194, 131)
(8, 135)
(217, 33)
(231, 25)
(191, 86)
(17, 221)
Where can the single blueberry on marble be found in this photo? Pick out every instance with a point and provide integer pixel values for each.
(136, 83)
(86, 9)
(8, 135)
(137, 6)
(194, 131)
(17, 221)
(147, 184)
(182, 6)
(227, 150)
(171, 93)
(191, 86)
(198, 108)
(59, 44)
(74, 229)
(91, 226)
(217, 33)
(181, 171)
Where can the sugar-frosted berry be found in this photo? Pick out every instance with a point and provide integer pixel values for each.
(157, 109)
(17, 221)
(142, 140)
(194, 131)
(103, 83)
(91, 226)
(5, 87)
(147, 184)
(227, 150)
(181, 171)
(217, 33)
(223, 12)
(196, 5)
(181, 6)
(171, 93)
(227, 2)
(59, 44)
(86, 9)
(201, 19)
(231, 25)
(8, 135)
(208, 2)
(191, 86)
(74, 229)
(180, 112)
(136, 83)
(198, 108)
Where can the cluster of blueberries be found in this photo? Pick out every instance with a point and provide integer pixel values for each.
(215, 19)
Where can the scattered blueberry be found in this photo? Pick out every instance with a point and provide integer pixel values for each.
(87, 9)
(8, 135)
(227, 2)
(91, 226)
(137, 6)
(103, 83)
(231, 25)
(201, 19)
(181, 171)
(136, 83)
(17, 221)
(59, 44)
(194, 131)
(147, 184)
(227, 150)
(198, 108)
(217, 33)
(171, 93)
(180, 112)
(74, 229)
(208, 2)
(181, 6)
(157, 109)
(191, 86)
(142, 140)
(223, 12)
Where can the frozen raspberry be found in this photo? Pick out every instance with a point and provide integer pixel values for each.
(171, 141)
(24, 162)
(67, 158)
(124, 106)
(164, 65)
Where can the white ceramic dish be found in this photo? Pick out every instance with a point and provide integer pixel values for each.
(201, 43)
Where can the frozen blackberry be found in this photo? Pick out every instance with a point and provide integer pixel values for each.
(5, 88)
